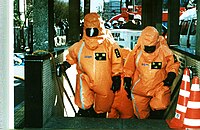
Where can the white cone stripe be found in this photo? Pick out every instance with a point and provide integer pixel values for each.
(192, 104)
(181, 108)
(184, 93)
(191, 122)
(195, 87)
(186, 78)
(191, 129)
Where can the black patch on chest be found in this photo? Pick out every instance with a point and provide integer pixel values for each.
(156, 65)
(100, 56)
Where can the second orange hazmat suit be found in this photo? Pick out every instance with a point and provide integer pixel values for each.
(98, 60)
(122, 106)
(149, 71)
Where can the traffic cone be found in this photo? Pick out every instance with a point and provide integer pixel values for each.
(177, 121)
(192, 116)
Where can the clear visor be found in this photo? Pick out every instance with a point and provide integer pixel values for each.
(92, 32)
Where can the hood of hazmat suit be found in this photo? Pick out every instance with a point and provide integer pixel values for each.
(93, 31)
(149, 43)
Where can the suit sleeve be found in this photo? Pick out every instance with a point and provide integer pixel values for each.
(129, 65)
(71, 56)
(117, 61)
(172, 62)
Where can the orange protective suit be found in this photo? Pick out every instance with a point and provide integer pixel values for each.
(148, 71)
(98, 59)
(122, 106)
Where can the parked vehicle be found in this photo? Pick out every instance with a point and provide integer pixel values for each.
(188, 23)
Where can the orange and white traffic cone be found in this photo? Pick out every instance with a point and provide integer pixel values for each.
(184, 93)
(192, 116)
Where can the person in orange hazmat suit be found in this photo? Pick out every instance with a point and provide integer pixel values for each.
(122, 106)
(99, 66)
(150, 70)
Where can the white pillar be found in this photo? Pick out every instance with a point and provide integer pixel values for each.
(6, 65)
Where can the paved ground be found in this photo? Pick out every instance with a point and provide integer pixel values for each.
(58, 123)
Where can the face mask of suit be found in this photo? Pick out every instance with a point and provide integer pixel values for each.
(149, 49)
(92, 32)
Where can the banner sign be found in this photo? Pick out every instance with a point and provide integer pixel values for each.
(126, 38)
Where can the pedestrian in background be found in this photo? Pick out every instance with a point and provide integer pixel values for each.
(131, 23)
(121, 22)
